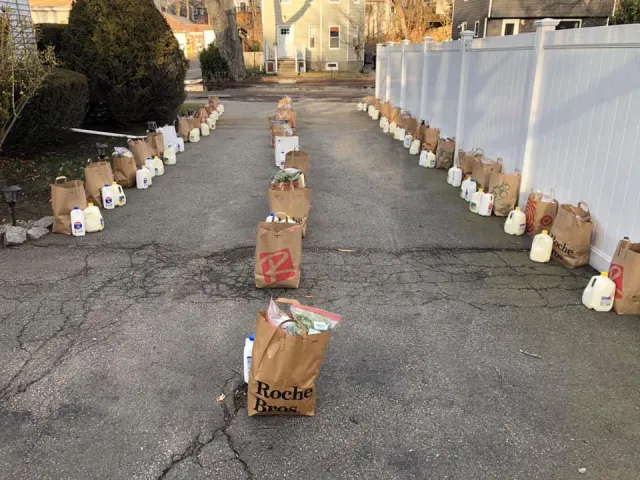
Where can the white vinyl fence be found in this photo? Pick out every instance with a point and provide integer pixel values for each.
(563, 107)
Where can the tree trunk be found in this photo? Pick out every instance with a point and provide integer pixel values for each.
(222, 17)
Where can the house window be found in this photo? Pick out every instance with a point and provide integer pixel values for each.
(331, 66)
(476, 29)
(243, 6)
(334, 38)
(312, 37)
(510, 27)
(393, 11)
(285, 30)
(568, 24)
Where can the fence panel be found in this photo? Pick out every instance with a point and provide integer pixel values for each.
(443, 85)
(395, 64)
(413, 56)
(585, 136)
(382, 73)
(496, 112)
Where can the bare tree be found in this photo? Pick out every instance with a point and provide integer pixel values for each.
(357, 37)
(222, 17)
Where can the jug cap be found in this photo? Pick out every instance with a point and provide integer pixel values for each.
(90, 204)
(604, 274)
(481, 189)
(114, 183)
(518, 208)
(545, 232)
(252, 337)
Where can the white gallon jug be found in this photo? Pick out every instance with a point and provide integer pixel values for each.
(180, 145)
(399, 134)
(468, 189)
(119, 197)
(220, 109)
(141, 179)
(407, 141)
(599, 293)
(427, 159)
(149, 175)
(474, 201)
(108, 201)
(158, 167)
(516, 222)
(454, 173)
(415, 147)
(541, 247)
(214, 116)
(360, 106)
(383, 121)
(194, 135)
(169, 155)
(486, 204)
(385, 127)
(375, 114)
(204, 130)
(392, 128)
(211, 123)
(77, 222)
(93, 219)
(150, 164)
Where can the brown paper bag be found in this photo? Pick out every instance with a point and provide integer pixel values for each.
(505, 188)
(156, 143)
(64, 196)
(541, 211)
(571, 233)
(483, 170)
(410, 126)
(278, 255)
(279, 130)
(428, 137)
(184, 127)
(625, 272)
(294, 202)
(394, 115)
(201, 115)
(468, 160)
(445, 153)
(124, 171)
(297, 159)
(194, 123)
(141, 150)
(287, 114)
(96, 176)
(283, 370)
(370, 100)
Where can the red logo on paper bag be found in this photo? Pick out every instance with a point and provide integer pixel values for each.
(615, 273)
(546, 221)
(277, 266)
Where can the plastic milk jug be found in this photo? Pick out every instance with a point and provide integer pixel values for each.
(516, 222)
(392, 128)
(150, 164)
(541, 247)
(486, 204)
(147, 172)
(214, 116)
(399, 134)
(170, 155)
(271, 218)
(108, 201)
(93, 219)
(599, 293)
(474, 201)
(204, 129)
(375, 114)
(77, 222)
(248, 349)
(141, 179)
(385, 127)
(180, 145)
(158, 167)
(360, 107)
(211, 123)
(454, 176)
(383, 121)
(220, 109)
(119, 197)
(370, 110)
(469, 189)
(194, 135)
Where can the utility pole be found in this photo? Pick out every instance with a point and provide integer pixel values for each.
(188, 15)
(177, 8)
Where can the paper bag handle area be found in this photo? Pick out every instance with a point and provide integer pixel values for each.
(61, 178)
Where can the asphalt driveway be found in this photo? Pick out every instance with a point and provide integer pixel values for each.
(120, 353)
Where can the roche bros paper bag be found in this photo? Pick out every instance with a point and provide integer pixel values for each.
(625, 272)
(96, 176)
(278, 255)
(571, 233)
(64, 196)
(124, 170)
(444, 153)
(295, 202)
(141, 150)
(297, 159)
(284, 369)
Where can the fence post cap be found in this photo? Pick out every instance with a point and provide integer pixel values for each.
(427, 39)
(390, 43)
(467, 34)
(405, 42)
(547, 22)
(379, 44)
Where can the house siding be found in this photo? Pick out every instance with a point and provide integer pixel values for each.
(549, 8)
(528, 25)
(470, 11)
(322, 14)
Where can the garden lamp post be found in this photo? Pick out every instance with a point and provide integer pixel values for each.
(102, 150)
(10, 194)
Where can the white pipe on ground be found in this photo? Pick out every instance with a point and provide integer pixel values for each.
(106, 134)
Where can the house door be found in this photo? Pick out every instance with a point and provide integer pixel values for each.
(285, 41)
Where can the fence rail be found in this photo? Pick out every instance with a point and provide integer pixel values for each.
(563, 107)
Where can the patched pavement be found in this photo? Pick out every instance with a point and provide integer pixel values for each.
(120, 353)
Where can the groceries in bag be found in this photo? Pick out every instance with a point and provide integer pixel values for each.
(486, 204)
(124, 167)
(542, 247)
(248, 349)
(118, 195)
(108, 202)
(599, 293)
(468, 160)
(142, 182)
(77, 222)
(483, 169)
(541, 211)
(516, 222)
(444, 153)
(313, 319)
(474, 201)
(278, 255)
(506, 189)
(93, 219)
(571, 233)
(625, 272)
(96, 175)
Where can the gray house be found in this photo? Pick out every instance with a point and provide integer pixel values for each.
(489, 18)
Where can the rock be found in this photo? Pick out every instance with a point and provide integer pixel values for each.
(14, 236)
(44, 222)
(26, 224)
(36, 233)
(582, 470)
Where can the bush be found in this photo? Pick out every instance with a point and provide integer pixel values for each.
(50, 34)
(214, 67)
(60, 103)
(134, 64)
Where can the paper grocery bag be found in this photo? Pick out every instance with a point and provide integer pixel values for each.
(124, 171)
(444, 153)
(278, 255)
(295, 202)
(483, 170)
(96, 176)
(184, 127)
(468, 160)
(571, 233)
(156, 143)
(541, 211)
(297, 159)
(141, 150)
(625, 272)
(283, 371)
(505, 188)
(64, 196)
(428, 137)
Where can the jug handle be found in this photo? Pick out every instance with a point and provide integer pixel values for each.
(60, 178)
(510, 215)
